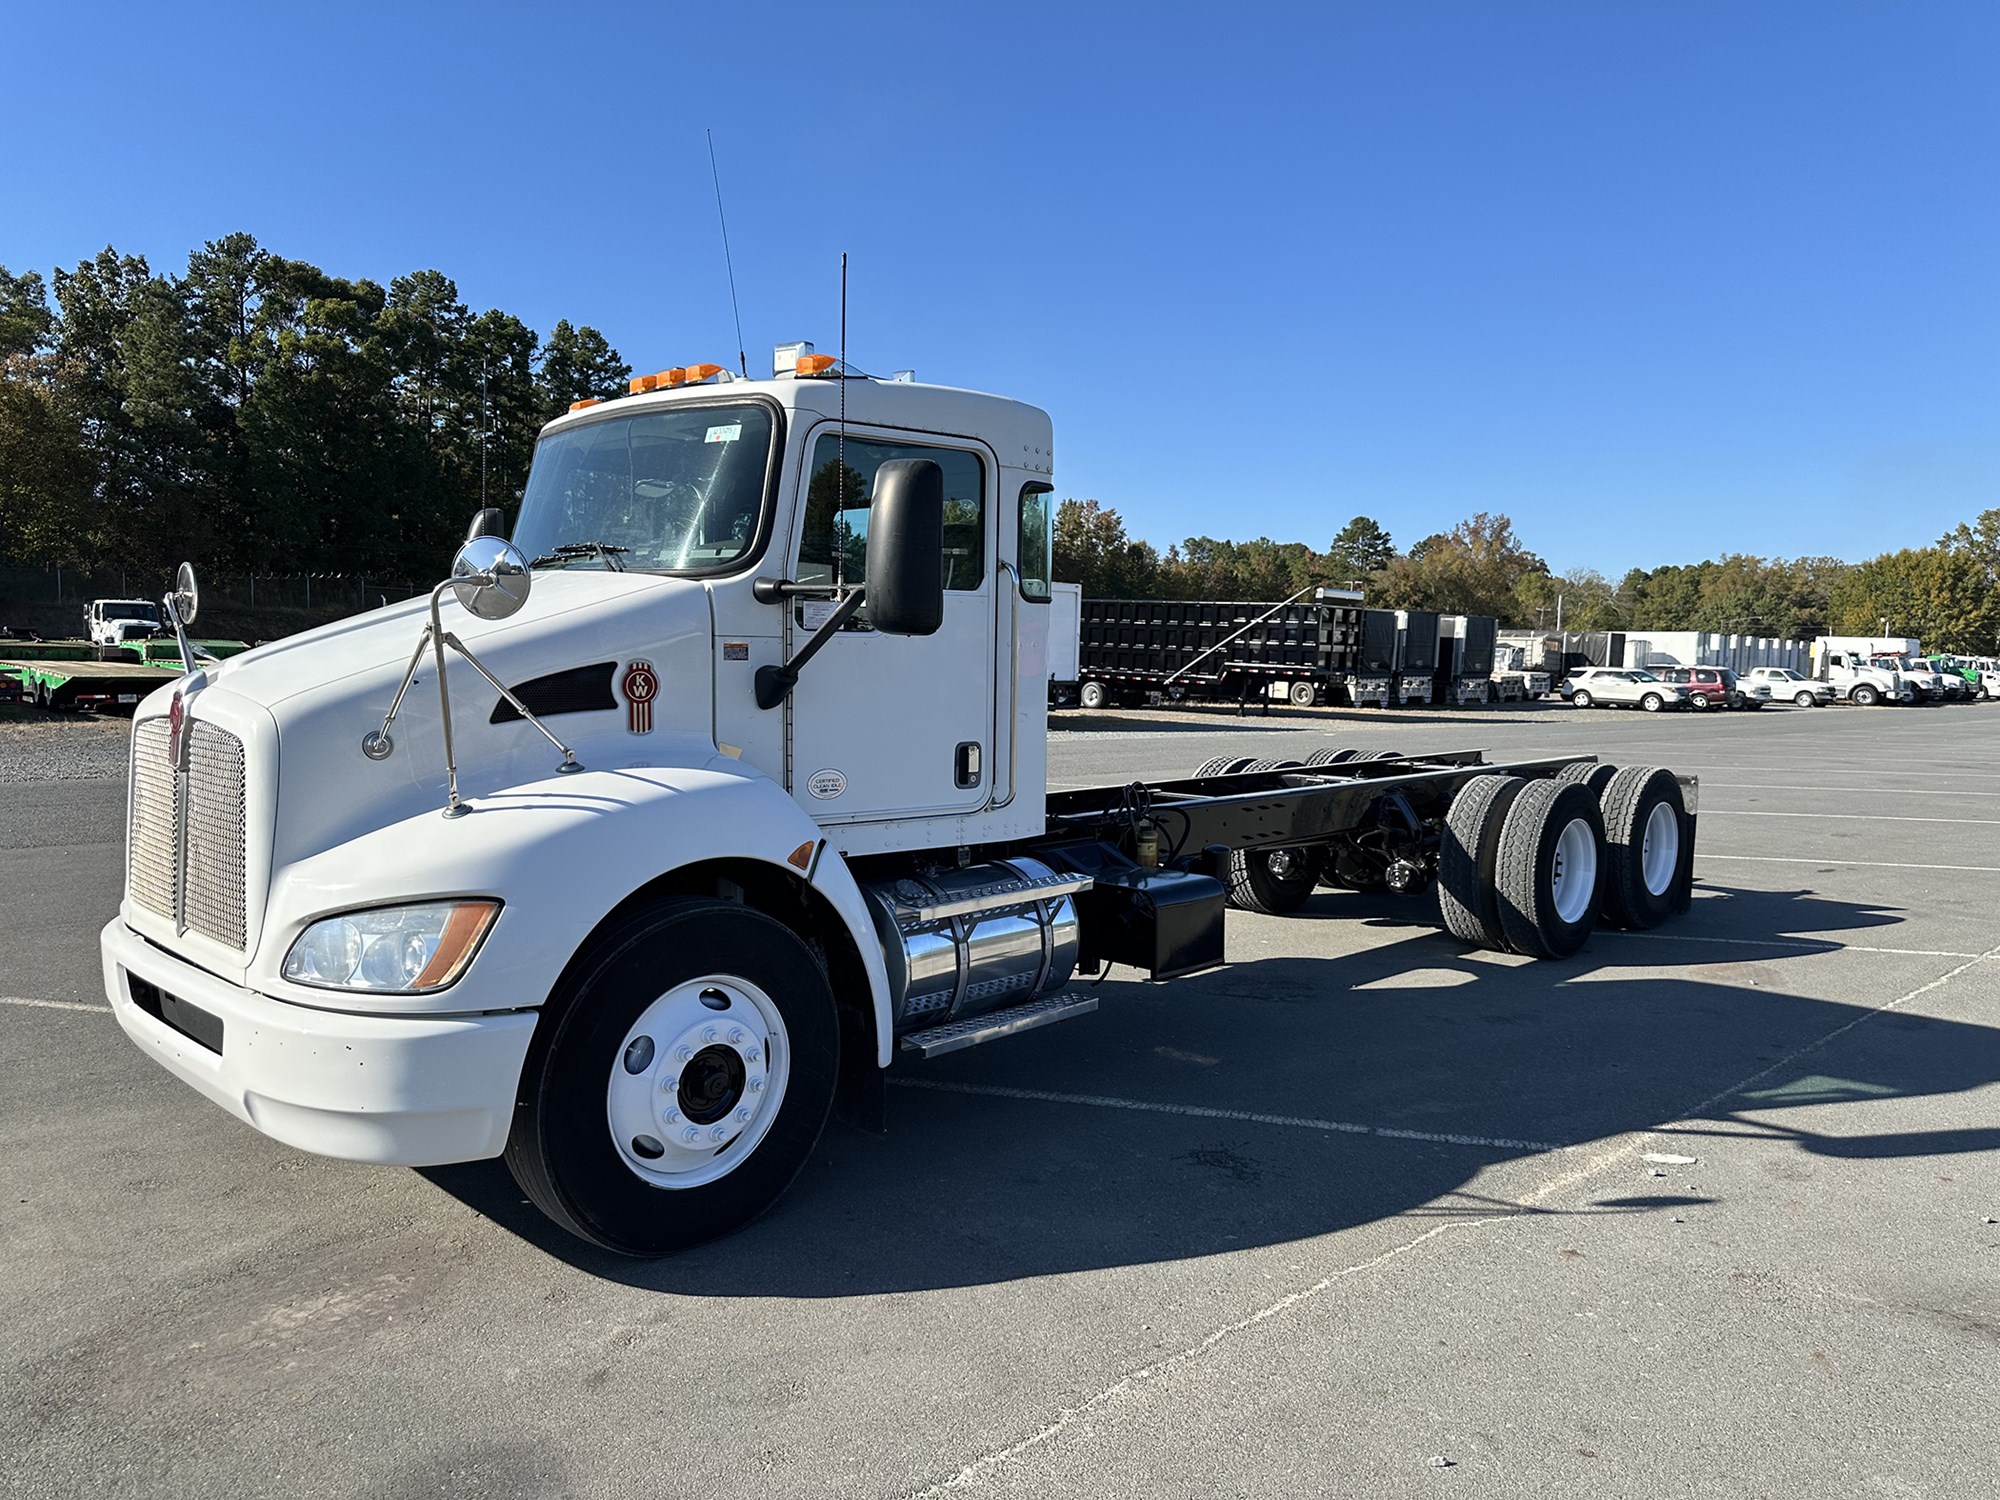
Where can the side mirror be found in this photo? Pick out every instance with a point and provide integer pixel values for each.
(186, 595)
(490, 577)
(488, 522)
(906, 548)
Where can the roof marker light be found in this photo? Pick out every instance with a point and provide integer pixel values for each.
(587, 401)
(815, 364)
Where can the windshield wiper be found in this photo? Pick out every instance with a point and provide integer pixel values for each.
(582, 549)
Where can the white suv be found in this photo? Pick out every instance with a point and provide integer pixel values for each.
(1785, 683)
(1590, 687)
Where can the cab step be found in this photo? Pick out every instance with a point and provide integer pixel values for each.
(956, 1036)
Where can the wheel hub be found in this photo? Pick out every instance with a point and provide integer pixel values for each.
(697, 1081)
(1573, 878)
(1660, 849)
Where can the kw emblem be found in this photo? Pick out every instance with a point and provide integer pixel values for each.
(641, 685)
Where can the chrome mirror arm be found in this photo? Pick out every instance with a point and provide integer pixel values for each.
(378, 746)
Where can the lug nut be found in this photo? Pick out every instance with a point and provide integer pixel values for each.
(685, 1054)
(750, 1055)
(709, 1034)
(670, 1114)
(756, 1085)
(735, 1033)
(691, 1134)
(743, 1115)
(669, 1085)
(720, 1133)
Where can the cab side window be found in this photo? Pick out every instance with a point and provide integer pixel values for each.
(834, 545)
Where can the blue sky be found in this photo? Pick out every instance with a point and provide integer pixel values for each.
(1658, 280)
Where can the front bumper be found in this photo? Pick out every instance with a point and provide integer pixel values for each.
(395, 1090)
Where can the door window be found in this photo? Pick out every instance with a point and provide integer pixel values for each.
(834, 545)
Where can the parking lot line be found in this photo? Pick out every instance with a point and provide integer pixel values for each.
(1804, 945)
(1873, 788)
(1338, 1127)
(1841, 817)
(51, 1004)
(1852, 864)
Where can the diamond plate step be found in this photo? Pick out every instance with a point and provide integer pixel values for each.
(956, 1036)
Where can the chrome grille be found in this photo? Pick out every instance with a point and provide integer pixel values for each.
(187, 845)
(213, 895)
(153, 835)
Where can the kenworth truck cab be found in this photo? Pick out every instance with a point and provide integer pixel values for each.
(657, 832)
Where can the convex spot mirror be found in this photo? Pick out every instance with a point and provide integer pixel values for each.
(186, 596)
(490, 577)
(906, 548)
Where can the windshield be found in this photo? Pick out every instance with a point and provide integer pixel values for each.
(144, 612)
(681, 488)
(1895, 663)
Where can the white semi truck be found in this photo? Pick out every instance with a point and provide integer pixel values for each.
(657, 833)
(1849, 665)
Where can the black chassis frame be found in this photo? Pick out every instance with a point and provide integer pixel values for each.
(1274, 809)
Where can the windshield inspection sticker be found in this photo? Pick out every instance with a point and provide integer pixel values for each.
(727, 433)
(827, 784)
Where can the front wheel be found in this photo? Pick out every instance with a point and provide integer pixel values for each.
(1093, 695)
(679, 1079)
(1866, 696)
(1653, 703)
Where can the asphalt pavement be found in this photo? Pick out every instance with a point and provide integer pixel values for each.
(1704, 1212)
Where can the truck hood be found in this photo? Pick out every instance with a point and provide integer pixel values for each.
(327, 689)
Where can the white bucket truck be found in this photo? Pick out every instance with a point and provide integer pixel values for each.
(1848, 665)
(657, 834)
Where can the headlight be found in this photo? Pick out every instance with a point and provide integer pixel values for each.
(406, 950)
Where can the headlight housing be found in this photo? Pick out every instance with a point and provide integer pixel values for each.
(391, 950)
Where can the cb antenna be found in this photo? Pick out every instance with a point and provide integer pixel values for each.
(742, 359)
(840, 437)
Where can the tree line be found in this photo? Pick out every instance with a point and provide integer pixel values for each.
(1947, 595)
(265, 416)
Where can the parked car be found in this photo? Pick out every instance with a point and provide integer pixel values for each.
(1626, 687)
(1716, 687)
(1785, 683)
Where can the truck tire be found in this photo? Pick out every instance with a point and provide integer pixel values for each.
(1329, 757)
(1215, 765)
(1466, 894)
(1645, 831)
(1865, 696)
(1278, 881)
(1275, 882)
(1303, 695)
(1579, 699)
(1093, 695)
(1653, 703)
(1549, 868)
(1381, 755)
(1593, 777)
(724, 1003)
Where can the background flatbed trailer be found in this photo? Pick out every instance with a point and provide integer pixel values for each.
(85, 684)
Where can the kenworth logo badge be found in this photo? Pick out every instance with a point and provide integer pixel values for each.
(641, 686)
(176, 722)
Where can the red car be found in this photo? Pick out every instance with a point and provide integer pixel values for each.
(1715, 687)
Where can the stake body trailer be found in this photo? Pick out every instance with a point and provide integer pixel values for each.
(659, 832)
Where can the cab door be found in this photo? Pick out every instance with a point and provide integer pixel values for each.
(894, 726)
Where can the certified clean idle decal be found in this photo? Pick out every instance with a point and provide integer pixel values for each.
(641, 685)
(826, 784)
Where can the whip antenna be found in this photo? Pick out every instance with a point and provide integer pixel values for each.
(742, 359)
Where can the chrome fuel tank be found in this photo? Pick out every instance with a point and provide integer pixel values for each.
(961, 942)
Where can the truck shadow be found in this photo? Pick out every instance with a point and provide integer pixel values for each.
(1284, 1098)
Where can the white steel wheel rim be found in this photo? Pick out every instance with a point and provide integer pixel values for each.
(1660, 849)
(697, 1081)
(1573, 878)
